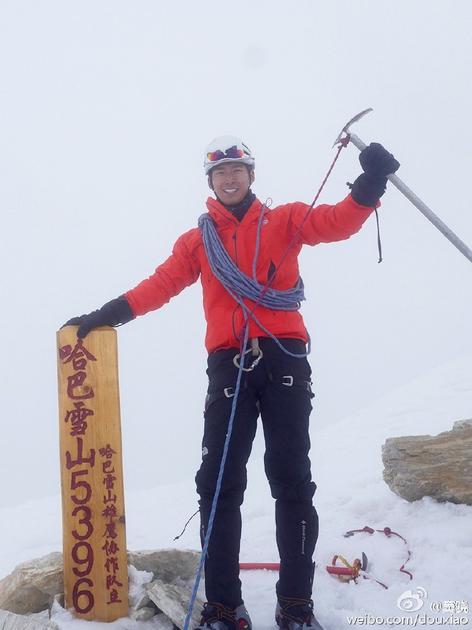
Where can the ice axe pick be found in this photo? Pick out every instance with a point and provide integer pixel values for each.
(403, 188)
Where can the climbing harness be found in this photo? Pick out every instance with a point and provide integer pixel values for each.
(358, 568)
(240, 286)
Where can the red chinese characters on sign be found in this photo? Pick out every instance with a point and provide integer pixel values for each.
(80, 459)
(110, 534)
(79, 463)
(78, 418)
(79, 357)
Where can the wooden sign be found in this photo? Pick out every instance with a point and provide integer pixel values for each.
(93, 513)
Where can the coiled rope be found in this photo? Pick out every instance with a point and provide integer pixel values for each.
(241, 286)
(237, 283)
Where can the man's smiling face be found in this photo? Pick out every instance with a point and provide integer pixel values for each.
(231, 181)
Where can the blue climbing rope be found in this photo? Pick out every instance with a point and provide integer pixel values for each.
(219, 480)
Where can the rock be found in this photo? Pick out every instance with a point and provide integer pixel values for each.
(142, 601)
(160, 621)
(439, 467)
(462, 424)
(173, 601)
(137, 597)
(143, 614)
(32, 585)
(167, 565)
(10, 621)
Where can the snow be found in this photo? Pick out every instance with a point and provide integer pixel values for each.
(351, 493)
(106, 108)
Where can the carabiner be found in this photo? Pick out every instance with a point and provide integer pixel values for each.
(253, 365)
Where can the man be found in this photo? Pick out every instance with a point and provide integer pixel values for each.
(263, 247)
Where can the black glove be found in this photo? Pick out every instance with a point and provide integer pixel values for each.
(113, 313)
(376, 163)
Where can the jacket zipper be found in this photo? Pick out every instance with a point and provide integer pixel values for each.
(235, 239)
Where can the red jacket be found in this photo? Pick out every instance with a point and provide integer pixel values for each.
(224, 317)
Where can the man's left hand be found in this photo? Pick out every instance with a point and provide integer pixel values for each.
(377, 161)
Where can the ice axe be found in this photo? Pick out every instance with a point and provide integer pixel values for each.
(403, 188)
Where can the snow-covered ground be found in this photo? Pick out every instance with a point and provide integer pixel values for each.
(351, 493)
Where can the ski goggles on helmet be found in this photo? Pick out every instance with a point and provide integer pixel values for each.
(233, 153)
(227, 149)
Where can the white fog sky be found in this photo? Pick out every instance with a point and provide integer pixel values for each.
(105, 110)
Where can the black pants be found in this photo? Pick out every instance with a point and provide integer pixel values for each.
(279, 390)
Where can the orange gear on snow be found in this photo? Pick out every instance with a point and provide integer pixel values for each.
(188, 261)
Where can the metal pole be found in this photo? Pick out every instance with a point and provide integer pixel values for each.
(422, 207)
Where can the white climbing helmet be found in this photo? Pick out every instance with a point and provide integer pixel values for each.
(227, 149)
